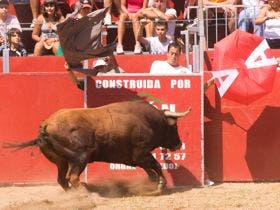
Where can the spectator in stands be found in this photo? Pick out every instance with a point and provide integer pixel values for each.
(35, 6)
(45, 31)
(14, 44)
(159, 43)
(106, 65)
(84, 7)
(270, 16)
(171, 65)
(248, 14)
(159, 11)
(128, 11)
(7, 21)
(108, 17)
(114, 9)
(187, 4)
(228, 10)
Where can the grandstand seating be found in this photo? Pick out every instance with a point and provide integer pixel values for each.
(22, 10)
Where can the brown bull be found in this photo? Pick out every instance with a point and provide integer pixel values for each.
(124, 132)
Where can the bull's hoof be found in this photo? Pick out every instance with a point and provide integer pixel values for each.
(81, 188)
(153, 193)
(161, 186)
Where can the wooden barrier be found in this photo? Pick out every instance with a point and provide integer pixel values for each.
(26, 100)
(241, 142)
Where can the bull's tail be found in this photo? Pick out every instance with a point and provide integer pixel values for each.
(22, 145)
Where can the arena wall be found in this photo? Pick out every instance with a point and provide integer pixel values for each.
(26, 100)
(242, 142)
(246, 150)
(43, 86)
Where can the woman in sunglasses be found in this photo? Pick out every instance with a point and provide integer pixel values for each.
(45, 31)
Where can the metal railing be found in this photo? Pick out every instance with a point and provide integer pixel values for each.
(216, 21)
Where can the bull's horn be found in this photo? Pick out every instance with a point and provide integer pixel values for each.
(168, 113)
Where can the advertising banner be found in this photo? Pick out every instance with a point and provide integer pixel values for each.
(176, 93)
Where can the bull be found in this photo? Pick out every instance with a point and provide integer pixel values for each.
(124, 132)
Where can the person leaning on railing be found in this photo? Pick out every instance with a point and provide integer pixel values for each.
(159, 11)
(171, 64)
(228, 10)
(248, 14)
(270, 17)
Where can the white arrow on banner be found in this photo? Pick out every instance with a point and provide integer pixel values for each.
(225, 78)
(258, 58)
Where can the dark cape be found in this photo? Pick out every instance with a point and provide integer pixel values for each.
(80, 39)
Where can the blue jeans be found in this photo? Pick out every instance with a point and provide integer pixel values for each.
(248, 15)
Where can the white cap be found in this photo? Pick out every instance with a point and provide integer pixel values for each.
(99, 62)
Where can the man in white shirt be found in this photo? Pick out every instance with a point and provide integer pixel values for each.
(157, 44)
(171, 65)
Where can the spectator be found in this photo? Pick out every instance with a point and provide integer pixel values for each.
(171, 65)
(108, 17)
(114, 9)
(7, 21)
(128, 11)
(186, 5)
(249, 13)
(228, 10)
(14, 44)
(160, 11)
(84, 7)
(35, 5)
(270, 15)
(106, 65)
(159, 43)
(45, 31)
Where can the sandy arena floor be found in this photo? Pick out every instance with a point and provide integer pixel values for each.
(124, 196)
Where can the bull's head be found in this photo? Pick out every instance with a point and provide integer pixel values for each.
(173, 141)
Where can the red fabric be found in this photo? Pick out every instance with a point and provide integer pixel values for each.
(134, 5)
(231, 53)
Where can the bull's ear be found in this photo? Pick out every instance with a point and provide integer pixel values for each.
(171, 120)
